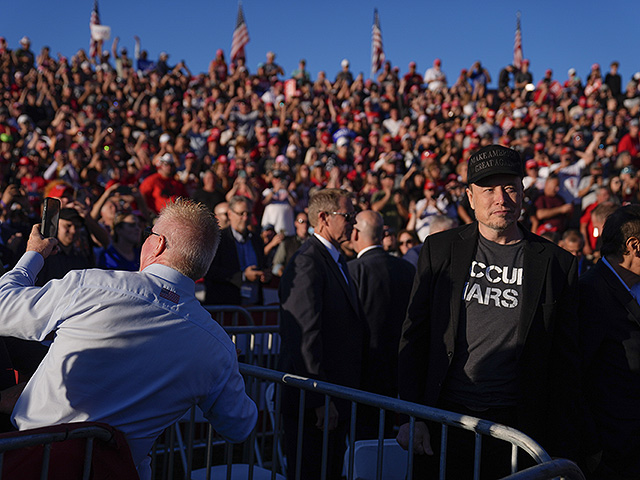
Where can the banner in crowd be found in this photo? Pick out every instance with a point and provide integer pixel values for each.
(100, 32)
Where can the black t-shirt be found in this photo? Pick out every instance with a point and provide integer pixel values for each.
(483, 370)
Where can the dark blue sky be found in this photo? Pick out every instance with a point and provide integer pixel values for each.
(556, 34)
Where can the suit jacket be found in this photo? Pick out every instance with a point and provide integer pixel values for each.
(384, 286)
(323, 331)
(610, 341)
(546, 344)
(224, 278)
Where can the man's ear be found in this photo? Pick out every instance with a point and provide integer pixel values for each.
(470, 196)
(161, 245)
(633, 245)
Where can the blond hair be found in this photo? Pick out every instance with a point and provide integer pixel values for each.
(192, 234)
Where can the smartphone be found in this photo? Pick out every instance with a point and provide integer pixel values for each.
(50, 216)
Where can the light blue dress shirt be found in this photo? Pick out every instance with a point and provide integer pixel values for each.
(132, 349)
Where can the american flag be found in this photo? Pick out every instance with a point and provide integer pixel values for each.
(377, 53)
(240, 36)
(517, 46)
(94, 20)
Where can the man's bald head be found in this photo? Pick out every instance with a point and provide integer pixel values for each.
(368, 230)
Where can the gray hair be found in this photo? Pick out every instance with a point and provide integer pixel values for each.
(325, 200)
(236, 199)
(192, 234)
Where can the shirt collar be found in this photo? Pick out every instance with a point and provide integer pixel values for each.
(171, 276)
(333, 251)
(238, 236)
(365, 250)
(606, 262)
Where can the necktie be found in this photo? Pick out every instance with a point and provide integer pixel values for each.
(345, 270)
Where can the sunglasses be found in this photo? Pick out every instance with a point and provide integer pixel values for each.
(349, 217)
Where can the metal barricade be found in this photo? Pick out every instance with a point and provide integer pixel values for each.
(265, 314)
(518, 440)
(263, 449)
(229, 315)
(235, 315)
(173, 455)
(261, 344)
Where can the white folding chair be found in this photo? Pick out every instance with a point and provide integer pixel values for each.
(365, 460)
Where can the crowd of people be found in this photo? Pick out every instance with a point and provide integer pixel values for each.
(118, 135)
(119, 138)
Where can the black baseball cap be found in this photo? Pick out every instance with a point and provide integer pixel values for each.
(494, 160)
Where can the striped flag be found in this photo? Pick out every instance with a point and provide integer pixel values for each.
(517, 46)
(94, 20)
(240, 36)
(377, 53)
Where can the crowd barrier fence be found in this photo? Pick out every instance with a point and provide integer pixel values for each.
(261, 455)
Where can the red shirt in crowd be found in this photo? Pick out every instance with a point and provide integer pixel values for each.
(158, 190)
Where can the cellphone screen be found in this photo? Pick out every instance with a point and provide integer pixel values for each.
(50, 216)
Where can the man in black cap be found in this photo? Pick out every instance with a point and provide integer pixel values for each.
(491, 329)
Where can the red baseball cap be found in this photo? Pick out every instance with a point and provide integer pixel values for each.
(426, 154)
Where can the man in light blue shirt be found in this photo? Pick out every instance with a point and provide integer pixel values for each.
(132, 349)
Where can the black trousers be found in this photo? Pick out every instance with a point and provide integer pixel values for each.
(495, 460)
(311, 466)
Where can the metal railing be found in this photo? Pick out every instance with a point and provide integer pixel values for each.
(518, 440)
(262, 449)
(235, 315)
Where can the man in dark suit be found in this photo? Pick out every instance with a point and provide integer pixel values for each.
(384, 285)
(236, 274)
(610, 339)
(491, 329)
(324, 333)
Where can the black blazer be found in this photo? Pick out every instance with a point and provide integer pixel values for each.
(610, 341)
(224, 278)
(547, 344)
(384, 286)
(324, 333)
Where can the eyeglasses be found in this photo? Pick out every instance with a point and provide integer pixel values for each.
(349, 217)
(147, 233)
(406, 242)
(302, 220)
(241, 214)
